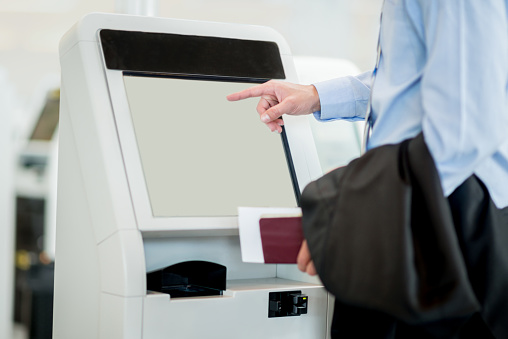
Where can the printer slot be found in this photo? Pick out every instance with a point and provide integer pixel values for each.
(189, 279)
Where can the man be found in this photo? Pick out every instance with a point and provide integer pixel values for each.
(442, 69)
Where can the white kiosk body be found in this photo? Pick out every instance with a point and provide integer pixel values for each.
(153, 162)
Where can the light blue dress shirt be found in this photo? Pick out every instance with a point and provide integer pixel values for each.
(444, 70)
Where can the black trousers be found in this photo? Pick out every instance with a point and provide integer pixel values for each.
(482, 230)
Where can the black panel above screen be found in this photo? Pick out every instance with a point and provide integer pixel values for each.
(193, 55)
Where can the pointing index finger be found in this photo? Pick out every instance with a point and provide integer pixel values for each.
(252, 92)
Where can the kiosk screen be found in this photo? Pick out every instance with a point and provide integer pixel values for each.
(202, 155)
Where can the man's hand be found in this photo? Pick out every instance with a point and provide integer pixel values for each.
(304, 261)
(278, 98)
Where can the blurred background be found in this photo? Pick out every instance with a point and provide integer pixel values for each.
(329, 38)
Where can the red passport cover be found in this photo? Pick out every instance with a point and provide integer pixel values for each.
(281, 239)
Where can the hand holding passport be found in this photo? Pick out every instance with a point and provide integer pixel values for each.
(270, 235)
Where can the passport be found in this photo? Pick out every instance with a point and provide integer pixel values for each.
(270, 235)
(281, 239)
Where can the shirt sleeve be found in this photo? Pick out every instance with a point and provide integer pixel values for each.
(464, 84)
(344, 98)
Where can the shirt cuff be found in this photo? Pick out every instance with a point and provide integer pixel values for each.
(337, 100)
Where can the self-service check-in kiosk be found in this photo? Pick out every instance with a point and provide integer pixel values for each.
(153, 163)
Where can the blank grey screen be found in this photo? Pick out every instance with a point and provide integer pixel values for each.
(202, 155)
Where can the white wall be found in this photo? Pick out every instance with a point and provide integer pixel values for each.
(6, 209)
(30, 32)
